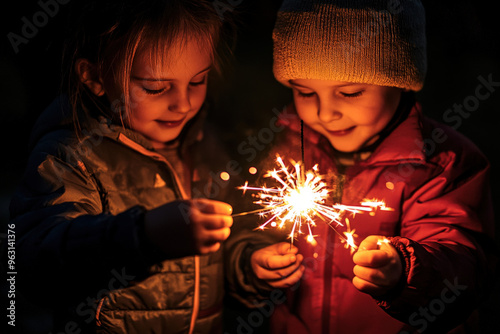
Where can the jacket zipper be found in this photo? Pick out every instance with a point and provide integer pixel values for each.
(196, 294)
(328, 269)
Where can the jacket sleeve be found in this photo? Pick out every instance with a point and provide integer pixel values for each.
(446, 245)
(64, 239)
(242, 284)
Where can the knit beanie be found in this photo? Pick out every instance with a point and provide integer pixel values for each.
(361, 41)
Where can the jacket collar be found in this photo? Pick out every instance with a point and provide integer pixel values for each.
(404, 143)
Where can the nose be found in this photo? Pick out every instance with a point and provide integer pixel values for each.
(180, 101)
(327, 114)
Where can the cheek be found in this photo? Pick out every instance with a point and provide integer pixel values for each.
(377, 117)
(136, 95)
(198, 96)
(306, 110)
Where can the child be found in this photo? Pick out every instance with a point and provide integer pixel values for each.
(354, 68)
(110, 229)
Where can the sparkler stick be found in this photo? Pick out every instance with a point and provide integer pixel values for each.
(299, 198)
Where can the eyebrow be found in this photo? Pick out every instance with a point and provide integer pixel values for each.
(296, 84)
(165, 79)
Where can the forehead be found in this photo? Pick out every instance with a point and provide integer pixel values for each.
(317, 83)
(177, 59)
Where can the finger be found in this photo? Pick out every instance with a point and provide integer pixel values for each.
(274, 262)
(288, 281)
(368, 287)
(369, 243)
(212, 206)
(213, 236)
(371, 258)
(374, 276)
(281, 273)
(286, 248)
(214, 222)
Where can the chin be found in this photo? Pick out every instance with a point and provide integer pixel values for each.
(345, 148)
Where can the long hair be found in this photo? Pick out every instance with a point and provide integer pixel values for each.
(110, 33)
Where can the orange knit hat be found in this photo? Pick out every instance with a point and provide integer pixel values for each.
(374, 42)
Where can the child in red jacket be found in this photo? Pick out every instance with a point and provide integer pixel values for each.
(354, 67)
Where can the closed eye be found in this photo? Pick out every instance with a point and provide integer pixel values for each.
(350, 95)
(305, 95)
(153, 91)
(198, 83)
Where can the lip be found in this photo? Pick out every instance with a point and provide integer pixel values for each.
(171, 124)
(344, 132)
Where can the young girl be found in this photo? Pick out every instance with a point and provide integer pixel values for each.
(353, 67)
(108, 233)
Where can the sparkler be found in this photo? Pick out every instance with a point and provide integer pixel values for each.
(299, 198)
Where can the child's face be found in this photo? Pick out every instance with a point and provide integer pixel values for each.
(350, 115)
(164, 100)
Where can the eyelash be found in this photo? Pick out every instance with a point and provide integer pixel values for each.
(159, 91)
(198, 83)
(351, 95)
(347, 95)
(305, 95)
(153, 91)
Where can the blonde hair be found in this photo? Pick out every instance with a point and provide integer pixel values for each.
(111, 33)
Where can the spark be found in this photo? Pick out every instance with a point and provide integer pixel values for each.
(298, 201)
(349, 237)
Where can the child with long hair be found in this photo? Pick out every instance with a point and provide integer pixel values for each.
(112, 230)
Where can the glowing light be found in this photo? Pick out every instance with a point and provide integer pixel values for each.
(382, 241)
(252, 170)
(225, 176)
(298, 201)
(349, 236)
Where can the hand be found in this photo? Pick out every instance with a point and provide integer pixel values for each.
(189, 227)
(278, 264)
(378, 267)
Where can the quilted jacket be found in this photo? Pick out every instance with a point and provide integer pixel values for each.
(78, 220)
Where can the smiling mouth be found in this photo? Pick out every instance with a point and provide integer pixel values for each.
(342, 132)
(171, 124)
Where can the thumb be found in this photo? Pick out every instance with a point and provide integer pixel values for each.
(370, 243)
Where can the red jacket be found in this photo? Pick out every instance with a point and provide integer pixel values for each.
(442, 224)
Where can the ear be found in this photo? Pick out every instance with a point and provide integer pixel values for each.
(87, 72)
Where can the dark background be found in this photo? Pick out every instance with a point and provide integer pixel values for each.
(463, 44)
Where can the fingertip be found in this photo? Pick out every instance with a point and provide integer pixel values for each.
(229, 222)
(355, 258)
(227, 233)
(289, 248)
